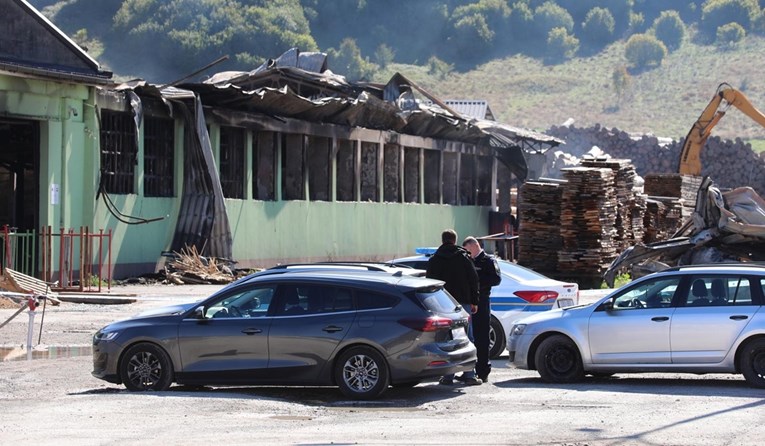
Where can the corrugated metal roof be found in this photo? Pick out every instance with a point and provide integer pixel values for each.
(475, 108)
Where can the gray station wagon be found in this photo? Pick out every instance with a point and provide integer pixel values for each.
(694, 319)
(359, 330)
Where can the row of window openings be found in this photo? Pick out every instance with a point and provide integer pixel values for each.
(302, 158)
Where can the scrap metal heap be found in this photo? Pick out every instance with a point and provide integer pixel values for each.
(723, 227)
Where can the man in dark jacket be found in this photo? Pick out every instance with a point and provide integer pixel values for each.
(488, 276)
(452, 264)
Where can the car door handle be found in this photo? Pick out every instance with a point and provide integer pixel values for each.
(739, 317)
(660, 318)
(331, 328)
(252, 331)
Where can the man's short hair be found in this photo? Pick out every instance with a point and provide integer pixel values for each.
(470, 240)
(449, 237)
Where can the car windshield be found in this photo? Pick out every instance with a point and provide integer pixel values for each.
(517, 272)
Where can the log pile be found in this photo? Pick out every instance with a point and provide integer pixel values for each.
(539, 207)
(730, 163)
(588, 222)
(663, 217)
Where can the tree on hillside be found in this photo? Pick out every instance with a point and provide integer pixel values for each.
(547, 17)
(644, 50)
(347, 61)
(670, 29)
(186, 34)
(476, 28)
(729, 35)
(620, 79)
(598, 28)
(521, 24)
(561, 45)
(619, 9)
(716, 13)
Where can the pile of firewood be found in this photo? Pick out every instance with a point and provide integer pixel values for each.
(188, 267)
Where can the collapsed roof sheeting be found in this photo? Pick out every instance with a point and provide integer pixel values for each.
(290, 86)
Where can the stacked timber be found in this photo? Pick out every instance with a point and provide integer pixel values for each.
(663, 217)
(539, 225)
(630, 206)
(588, 222)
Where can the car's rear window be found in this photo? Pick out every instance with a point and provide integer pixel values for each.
(437, 301)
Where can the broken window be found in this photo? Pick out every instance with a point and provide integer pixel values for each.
(346, 170)
(483, 180)
(158, 157)
(369, 171)
(432, 176)
(264, 160)
(232, 150)
(293, 150)
(318, 167)
(467, 179)
(451, 163)
(411, 175)
(391, 170)
(118, 152)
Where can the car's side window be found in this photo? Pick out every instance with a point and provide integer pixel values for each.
(650, 294)
(312, 299)
(366, 300)
(718, 291)
(252, 302)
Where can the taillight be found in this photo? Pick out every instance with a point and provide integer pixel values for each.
(432, 323)
(536, 297)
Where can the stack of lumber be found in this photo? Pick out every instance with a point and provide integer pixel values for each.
(539, 225)
(630, 206)
(588, 221)
(663, 217)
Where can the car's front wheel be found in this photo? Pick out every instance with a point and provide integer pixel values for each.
(146, 366)
(497, 339)
(361, 373)
(752, 363)
(558, 360)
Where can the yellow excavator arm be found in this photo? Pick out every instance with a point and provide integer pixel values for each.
(690, 156)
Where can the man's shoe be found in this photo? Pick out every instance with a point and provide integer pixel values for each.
(446, 382)
(472, 381)
(484, 379)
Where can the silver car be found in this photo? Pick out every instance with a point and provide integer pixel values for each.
(359, 330)
(695, 319)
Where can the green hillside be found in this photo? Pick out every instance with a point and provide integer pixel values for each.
(664, 101)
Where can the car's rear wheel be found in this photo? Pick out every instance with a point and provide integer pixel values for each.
(146, 366)
(361, 373)
(558, 360)
(752, 363)
(497, 339)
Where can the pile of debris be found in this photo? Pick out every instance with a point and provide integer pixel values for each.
(188, 268)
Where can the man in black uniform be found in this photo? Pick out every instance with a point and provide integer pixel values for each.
(488, 276)
(452, 264)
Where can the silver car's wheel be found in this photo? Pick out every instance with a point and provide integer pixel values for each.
(497, 339)
(752, 363)
(146, 367)
(558, 360)
(361, 373)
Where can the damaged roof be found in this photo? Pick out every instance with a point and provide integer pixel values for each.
(300, 85)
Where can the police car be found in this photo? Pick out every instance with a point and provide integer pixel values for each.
(521, 292)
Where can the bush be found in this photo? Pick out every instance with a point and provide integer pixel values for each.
(730, 34)
(716, 13)
(439, 68)
(549, 16)
(644, 50)
(670, 29)
(561, 45)
(598, 27)
(384, 55)
(621, 80)
(347, 61)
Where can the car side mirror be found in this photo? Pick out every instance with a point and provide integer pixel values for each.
(606, 306)
(199, 312)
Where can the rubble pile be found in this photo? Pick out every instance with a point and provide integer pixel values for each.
(188, 267)
(731, 163)
(663, 217)
(539, 203)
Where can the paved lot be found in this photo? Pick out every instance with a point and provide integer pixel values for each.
(56, 401)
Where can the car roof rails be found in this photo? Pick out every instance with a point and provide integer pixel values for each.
(759, 265)
(369, 266)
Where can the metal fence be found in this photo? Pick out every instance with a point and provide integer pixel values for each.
(82, 261)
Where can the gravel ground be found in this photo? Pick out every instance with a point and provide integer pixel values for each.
(56, 401)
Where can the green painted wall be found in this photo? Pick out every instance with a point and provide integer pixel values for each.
(269, 232)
